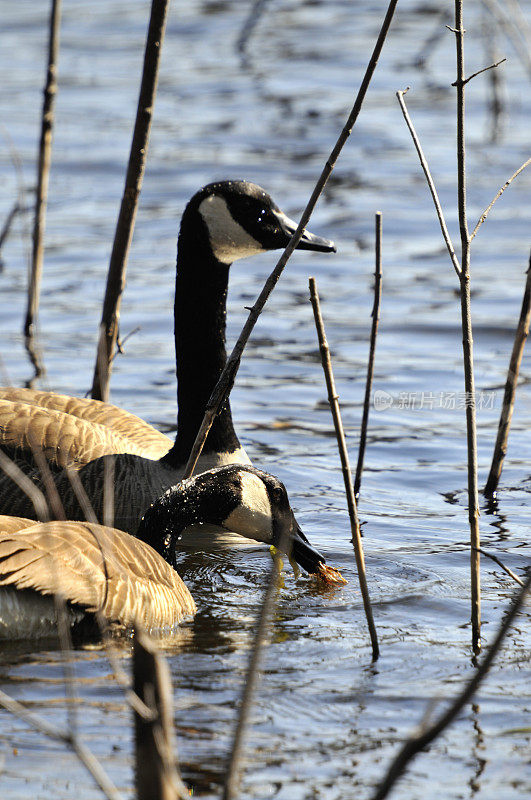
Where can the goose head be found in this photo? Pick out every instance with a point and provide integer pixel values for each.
(241, 219)
(238, 498)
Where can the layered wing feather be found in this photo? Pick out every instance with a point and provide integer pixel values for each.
(96, 568)
(73, 430)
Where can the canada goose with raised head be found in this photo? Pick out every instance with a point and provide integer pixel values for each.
(132, 580)
(223, 222)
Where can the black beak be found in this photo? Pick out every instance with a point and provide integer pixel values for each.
(302, 551)
(309, 241)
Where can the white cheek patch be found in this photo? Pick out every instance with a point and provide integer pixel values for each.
(252, 517)
(228, 240)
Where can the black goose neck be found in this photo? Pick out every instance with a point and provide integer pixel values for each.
(200, 320)
(163, 523)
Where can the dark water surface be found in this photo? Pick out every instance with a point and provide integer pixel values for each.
(327, 721)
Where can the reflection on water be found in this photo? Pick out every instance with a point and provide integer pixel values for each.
(327, 721)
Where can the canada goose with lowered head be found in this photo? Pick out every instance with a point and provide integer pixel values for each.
(223, 222)
(133, 580)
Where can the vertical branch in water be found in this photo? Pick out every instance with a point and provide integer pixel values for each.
(500, 448)
(232, 778)
(419, 741)
(347, 477)
(466, 323)
(156, 772)
(375, 314)
(463, 272)
(126, 218)
(45, 156)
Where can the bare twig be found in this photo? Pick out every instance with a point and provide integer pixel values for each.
(375, 314)
(120, 676)
(497, 561)
(479, 72)
(232, 778)
(500, 448)
(126, 219)
(68, 738)
(343, 454)
(45, 156)
(63, 627)
(6, 227)
(431, 184)
(226, 380)
(37, 498)
(463, 272)
(20, 205)
(81, 495)
(466, 324)
(156, 772)
(483, 217)
(418, 742)
(120, 342)
(108, 490)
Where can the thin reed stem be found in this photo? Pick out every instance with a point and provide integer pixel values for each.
(500, 563)
(375, 314)
(417, 742)
(463, 272)
(466, 323)
(17, 208)
(500, 448)
(85, 756)
(232, 778)
(481, 71)
(126, 218)
(498, 194)
(333, 399)
(226, 380)
(15, 474)
(431, 184)
(43, 174)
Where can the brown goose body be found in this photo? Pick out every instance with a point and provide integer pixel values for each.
(93, 567)
(223, 222)
(130, 580)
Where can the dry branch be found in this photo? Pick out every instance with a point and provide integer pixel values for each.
(226, 380)
(483, 217)
(156, 772)
(500, 448)
(126, 218)
(347, 477)
(466, 324)
(232, 778)
(45, 157)
(431, 184)
(463, 272)
(480, 71)
(375, 314)
(83, 753)
(416, 743)
(37, 498)
(500, 563)
(6, 227)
